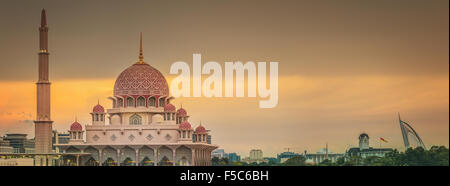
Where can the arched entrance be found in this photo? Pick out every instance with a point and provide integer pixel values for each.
(165, 162)
(128, 156)
(183, 161)
(183, 156)
(165, 156)
(128, 162)
(94, 157)
(109, 162)
(69, 160)
(91, 162)
(146, 162)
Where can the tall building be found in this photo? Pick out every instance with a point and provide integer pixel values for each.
(43, 123)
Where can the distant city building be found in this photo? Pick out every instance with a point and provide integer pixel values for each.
(20, 143)
(322, 155)
(281, 158)
(256, 156)
(364, 150)
(219, 153)
(233, 157)
(5, 147)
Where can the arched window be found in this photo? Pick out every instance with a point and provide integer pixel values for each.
(130, 102)
(135, 120)
(161, 102)
(152, 102)
(119, 102)
(141, 102)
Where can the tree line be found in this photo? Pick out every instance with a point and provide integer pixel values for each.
(435, 156)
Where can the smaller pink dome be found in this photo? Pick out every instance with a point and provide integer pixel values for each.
(181, 112)
(169, 108)
(200, 130)
(185, 125)
(98, 108)
(76, 126)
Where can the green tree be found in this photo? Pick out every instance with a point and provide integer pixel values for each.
(373, 161)
(326, 162)
(353, 161)
(224, 161)
(340, 161)
(215, 161)
(236, 163)
(295, 161)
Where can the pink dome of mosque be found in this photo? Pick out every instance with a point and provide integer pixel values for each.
(185, 125)
(200, 130)
(169, 108)
(141, 79)
(98, 109)
(76, 126)
(181, 112)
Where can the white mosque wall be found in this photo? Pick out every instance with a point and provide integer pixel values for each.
(132, 134)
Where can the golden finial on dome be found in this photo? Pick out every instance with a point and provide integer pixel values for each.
(141, 55)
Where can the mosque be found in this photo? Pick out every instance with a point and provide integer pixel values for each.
(142, 127)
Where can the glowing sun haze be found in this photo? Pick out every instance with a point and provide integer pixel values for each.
(344, 67)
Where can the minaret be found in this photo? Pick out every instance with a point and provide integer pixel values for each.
(43, 123)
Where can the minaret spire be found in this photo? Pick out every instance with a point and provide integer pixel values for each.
(43, 18)
(141, 55)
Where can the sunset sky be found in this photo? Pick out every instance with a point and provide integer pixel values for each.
(345, 67)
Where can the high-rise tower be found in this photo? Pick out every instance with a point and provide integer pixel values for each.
(43, 123)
